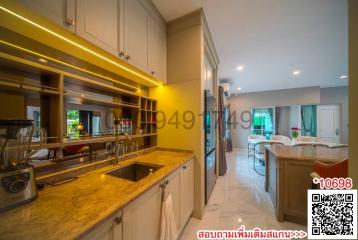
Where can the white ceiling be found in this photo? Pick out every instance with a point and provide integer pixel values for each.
(272, 38)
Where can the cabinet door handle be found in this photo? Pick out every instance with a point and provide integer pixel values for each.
(70, 22)
(184, 167)
(164, 184)
(128, 57)
(152, 72)
(121, 54)
(118, 220)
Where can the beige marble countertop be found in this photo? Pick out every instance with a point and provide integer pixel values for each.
(309, 153)
(70, 210)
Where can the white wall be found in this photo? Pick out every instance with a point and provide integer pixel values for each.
(295, 116)
(245, 101)
(284, 123)
(289, 117)
(299, 96)
(338, 95)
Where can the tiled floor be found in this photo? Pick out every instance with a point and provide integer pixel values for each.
(239, 198)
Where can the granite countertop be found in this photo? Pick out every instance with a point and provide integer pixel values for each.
(309, 153)
(70, 210)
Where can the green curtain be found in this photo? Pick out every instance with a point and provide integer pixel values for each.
(309, 120)
(255, 122)
(270, 112)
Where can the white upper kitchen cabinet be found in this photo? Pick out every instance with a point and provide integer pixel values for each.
(98, 22)
(133, 30)
(62, 12)
(135, 34)
(157, 51)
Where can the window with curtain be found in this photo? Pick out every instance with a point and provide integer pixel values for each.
(73, 120)
(263, 120)
(309, 120)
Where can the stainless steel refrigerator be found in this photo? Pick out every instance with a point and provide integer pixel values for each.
(210, 118)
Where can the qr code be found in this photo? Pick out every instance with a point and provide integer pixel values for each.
(332, 214)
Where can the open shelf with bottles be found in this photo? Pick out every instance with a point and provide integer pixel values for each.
(148, 115)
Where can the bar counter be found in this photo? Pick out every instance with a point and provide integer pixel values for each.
(288, 177)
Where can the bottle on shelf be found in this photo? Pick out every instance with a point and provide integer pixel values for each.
(131, 127)
(124, 125)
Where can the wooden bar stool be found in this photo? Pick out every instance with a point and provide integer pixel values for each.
(324, 170)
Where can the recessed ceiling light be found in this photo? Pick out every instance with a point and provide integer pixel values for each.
(240, 67)
(42, 60)
(239, 88)
(82, 95)
(296, 72)
(343, 77)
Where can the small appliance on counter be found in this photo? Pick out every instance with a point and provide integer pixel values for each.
(17, 179)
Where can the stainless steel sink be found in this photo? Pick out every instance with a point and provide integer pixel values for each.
(135, 171)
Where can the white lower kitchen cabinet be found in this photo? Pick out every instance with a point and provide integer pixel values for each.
(141, 218)
(181, 187)
(186, 192)
(173, 188)
(110, 229)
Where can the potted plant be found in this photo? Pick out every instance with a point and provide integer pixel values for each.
(295, 132)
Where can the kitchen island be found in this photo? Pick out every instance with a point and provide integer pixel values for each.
(82, 208)
(288, 177)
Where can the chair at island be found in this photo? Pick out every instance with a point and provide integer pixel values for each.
(288, 171)
(324, 170)
(284, 139)
(308, 139)
(259, 149)
(311, 141)
(251, 141)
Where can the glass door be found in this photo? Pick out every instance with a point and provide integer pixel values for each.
(263, 121)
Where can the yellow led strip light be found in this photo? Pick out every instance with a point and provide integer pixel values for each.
(78, 45)
(66, 64)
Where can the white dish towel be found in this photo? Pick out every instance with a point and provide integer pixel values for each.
(168, 229)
